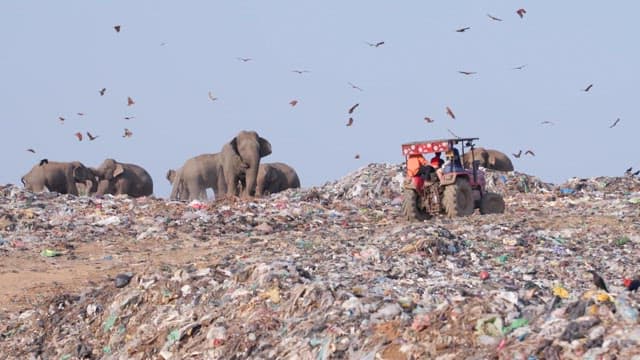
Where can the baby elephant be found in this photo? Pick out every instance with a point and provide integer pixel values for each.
(57, 176)
(119, 178)
(276, 177)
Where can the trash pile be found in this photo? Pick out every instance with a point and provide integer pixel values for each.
(327, 272)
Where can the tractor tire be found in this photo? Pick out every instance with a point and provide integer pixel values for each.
(410, 208)
(458, 198)
(491, 203)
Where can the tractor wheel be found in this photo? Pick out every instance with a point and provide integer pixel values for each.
(458, 198)
(492, 203)
(410, 208)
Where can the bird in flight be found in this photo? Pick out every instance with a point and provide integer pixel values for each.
(450, 113)
(79, 136)
(629, 170)
(127, 133)
(355, 86)
(493, 17)
(521, 12)
(91, 137)
(518, 154)
(117, 28)
(61, 119)
(293, 102)
(467, 72)
(129, 117)
(615, 123)
(636, 173)
(519, 67)
(463, 29)
(379, 43)
(351, 109)
(529, 152)
(587, 88)
(357, 156)
(243, 59)
(211, 97)
(102, 91)
(428, 119)
(350, 122)
(547, 122)
(300, 71)
(80, 114)
(130, 101)
(31, 150)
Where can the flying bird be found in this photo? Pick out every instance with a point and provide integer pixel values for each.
(636, 173)
(357, 156)
(127, 133)
(463, 29)
(519, 67)
(631, 285)
(79, 136)
(129, 117)
(243, 59)
(615, 123)
(529, 152)
(450, 113)
(102, 91)
(629, 170)
(521, 12)
(493, 17)
(351, 109)
(117, 28)
(598, 281)
(547, 122)
(587, 88)
(518, 154)
(467, 72)
(300, 71)
(91, 137)
(428, 119)
(80, 114)
(211, 97)
(375, 44)
(130, 101)
(355, 87)
(350, 122)
(61, 119)
(293, 102)
(31, 150)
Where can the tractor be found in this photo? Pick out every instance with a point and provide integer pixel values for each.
(453, 190)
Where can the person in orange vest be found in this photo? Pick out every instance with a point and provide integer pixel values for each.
(415, 162)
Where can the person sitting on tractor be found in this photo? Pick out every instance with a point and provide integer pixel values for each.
(417, 166)
(435, 162)
(438, 159)
(453, 163)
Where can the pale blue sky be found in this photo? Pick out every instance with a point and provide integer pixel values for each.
(56, 55)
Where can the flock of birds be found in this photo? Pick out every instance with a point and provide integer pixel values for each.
(448, 111)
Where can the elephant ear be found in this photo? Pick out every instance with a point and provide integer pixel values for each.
(234, 145)
(265, 147)
(81, 172)
(118, 170)
(171, 175)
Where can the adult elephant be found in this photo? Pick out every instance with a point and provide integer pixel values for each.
(276, 177)
(57, 176)
(120, 178)
(241, 157)
(488, 158)
(197, 174)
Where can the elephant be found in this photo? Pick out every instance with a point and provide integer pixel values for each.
(57, 176)
(276, 177)
(197, 174)
(241, 157)
(490, 159)
(119, 178)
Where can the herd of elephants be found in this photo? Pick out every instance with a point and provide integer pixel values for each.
(234, 171)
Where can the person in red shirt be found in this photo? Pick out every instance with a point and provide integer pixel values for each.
(414, 164)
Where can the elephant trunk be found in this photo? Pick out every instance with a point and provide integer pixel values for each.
(251, 174)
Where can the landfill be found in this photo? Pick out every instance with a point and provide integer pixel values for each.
(325, 272)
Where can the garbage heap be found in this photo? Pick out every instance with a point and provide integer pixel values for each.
(333, 272)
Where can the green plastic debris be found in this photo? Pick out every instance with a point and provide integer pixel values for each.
(111, 320)
(516, 323)
(634, 200)
(503, 258)
(65, 357)
(622, 240)
(106, 349)
(173, 337)
(49, 253)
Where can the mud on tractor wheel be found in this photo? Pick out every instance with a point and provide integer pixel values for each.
(458, 198)
(491, 203)
(410, 209)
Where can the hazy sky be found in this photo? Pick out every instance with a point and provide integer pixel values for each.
(57, 55)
